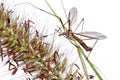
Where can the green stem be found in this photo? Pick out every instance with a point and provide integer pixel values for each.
(83, 63)
(91, 65)
(59, 19)
(79, 49)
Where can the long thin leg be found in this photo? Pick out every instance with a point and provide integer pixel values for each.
(36, 8)
(79, 25)
(55, 15)
(93, 47)
(64, 9)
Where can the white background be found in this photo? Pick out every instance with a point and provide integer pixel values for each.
(100, 15)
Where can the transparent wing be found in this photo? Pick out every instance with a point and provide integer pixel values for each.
(94, 35)
(72, 16)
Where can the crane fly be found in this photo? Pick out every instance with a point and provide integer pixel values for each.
(72, 17)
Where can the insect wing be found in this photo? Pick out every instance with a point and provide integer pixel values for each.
(72, 16)
(93, 34)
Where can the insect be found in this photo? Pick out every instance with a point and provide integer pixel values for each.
(72, 17)
(68, 33)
